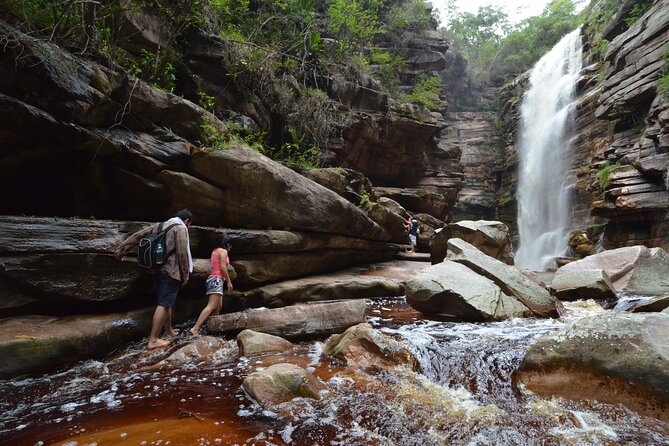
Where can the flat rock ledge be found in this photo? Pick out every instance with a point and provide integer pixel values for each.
(294, 322)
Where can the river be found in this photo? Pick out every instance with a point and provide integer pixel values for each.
(465, 394)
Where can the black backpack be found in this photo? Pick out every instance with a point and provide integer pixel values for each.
(151, 252)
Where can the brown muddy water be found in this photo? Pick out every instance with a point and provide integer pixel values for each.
(465, 394)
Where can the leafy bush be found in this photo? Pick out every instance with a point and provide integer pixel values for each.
(426, 92)
(663, 86)
(603, 174)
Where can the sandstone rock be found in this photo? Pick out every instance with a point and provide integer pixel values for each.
(390, 216)
(657, 304)
(420, 200)
(280, 383)
(241, 172)
(254, 343)
(611, 358)
(363, 347)
(348, 183)
(585, 284)
(201, 349)
(634, 268)
(348, 284)
(491, 237)
(294, 322)
(508, 278)
(452, 290)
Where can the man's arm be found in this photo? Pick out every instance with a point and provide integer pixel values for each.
(131, 242)
(181, 248)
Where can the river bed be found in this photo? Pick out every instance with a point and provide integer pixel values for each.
(464, 394)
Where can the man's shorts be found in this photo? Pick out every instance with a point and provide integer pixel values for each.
(167, 289)
(412, 239)
(215, 285)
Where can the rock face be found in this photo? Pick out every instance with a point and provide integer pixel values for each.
(510, 279)
(294, 322)
(585, 284)
(635, 268)
(202, 349)
(280, 383)
(612, 358)
(254, 343)
(363, 347)
(452, 290)
(491, 237)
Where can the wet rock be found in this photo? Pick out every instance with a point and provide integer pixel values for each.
(635, 268)
(657, 304)
(204, 347)
(280, 383)
(294, 322)
(509, 278)
(348, 183)
(254, 343)
(491, 237)
(586, 284)
(363, 347)
(611, 358)
(452, 290)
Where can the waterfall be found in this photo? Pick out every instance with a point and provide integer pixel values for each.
(543, 150)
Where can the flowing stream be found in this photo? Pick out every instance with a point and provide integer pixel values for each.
(464, 394)
(543, 150)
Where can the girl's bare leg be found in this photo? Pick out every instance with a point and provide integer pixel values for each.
(214, 300)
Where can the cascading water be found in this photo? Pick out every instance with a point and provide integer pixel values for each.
(543, 195)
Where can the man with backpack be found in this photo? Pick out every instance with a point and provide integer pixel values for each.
(165, 249)
(411, 225)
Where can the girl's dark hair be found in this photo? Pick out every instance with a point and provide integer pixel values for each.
(223, 241)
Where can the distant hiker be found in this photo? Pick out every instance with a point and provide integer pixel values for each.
(220, 259)
(174, 272)
(411, 225)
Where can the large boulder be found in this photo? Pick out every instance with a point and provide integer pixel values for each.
(363, 347)
(509, 278)
(586, 284)
(282, 198)
(294, 322)
(452, 290)
(491, 237)
(348, 183)
(280, 383)
(255, 343)
(633, 268)
(612, 358)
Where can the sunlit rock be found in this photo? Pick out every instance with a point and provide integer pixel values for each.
(509, 278)
(491, 237)
(364, 347)
(454, 291)
(633, 268)
(255, 343)
(612, 358)
(586, 284)
(280, 383)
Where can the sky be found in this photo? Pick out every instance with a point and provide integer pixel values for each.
(516, 9)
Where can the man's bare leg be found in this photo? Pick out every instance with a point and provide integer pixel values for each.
(169, 331)
(159, 317)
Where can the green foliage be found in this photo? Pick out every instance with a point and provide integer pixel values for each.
(207, 102)
(426, 92)
(355, 22)
(603, 174)
(640, 8)
(532, 38)
(365, 200)
(663, 86)
(387, 67)
(160, 72)
(233, 133)
(296, 152)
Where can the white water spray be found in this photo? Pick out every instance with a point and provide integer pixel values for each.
(543, 195)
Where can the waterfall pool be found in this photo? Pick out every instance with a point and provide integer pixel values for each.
(465, 394)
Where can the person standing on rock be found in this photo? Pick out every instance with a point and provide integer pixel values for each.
(173, 275)
(411, 225)
(220, 259)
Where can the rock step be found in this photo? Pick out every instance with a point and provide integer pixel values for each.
(417, 257)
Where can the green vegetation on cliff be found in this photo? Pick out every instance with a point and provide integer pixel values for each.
(281, 56)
